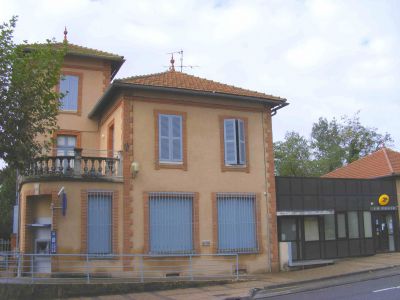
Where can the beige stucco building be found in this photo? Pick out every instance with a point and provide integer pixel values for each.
(163, 164)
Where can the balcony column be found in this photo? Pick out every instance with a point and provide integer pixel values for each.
(78, 162)
(120, 163)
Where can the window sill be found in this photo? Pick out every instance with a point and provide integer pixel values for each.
(170, 254)
(235, 168)
(102, 256)
(70, 112)
(171, 165)
(237, 251)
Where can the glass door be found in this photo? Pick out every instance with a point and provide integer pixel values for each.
(66, 147)
(381, 232)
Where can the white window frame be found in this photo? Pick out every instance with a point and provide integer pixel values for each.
(239, 140)
(170, 138)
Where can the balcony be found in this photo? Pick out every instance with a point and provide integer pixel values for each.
(95, 165)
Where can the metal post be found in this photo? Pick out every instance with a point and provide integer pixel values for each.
(18, 264)
(7, 253)
(87, 269)
(191, 267)
(141, 269)
(237, 266)
(32, 273)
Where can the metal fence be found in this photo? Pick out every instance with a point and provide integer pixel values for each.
(85, 268)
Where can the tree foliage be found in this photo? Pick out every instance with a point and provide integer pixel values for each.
(332, 144)
(293, 156)
(7, 200)
(29, 102)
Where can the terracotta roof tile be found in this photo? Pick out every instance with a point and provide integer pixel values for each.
(175, 79)
(84, 51)
(384, 162)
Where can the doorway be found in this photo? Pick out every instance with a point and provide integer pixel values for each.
(42, 259)
(304, 233)
(383, 223)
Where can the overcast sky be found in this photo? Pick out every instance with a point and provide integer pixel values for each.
(328, 58)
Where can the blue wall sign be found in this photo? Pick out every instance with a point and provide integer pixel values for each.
(53, 242)
(64, 204)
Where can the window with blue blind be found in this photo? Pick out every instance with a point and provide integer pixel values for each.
(170, 138)
(99, 222)
(237, 230)
(69, 87)
(66, 145)
(171, 223)
(234, 142)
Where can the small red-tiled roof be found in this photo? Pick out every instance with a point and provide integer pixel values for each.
(80, 51)
(384, 162)
(180, 80)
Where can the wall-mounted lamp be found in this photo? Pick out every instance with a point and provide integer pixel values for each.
(134, 169)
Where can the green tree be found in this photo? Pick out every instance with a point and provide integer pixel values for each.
(332, 144)
(359, 141)
(28, 101)
(7, 200)
(326, 144)
(293, 156)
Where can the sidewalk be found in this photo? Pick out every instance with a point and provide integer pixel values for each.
(241, 289)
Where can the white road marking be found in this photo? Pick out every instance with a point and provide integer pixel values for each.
(387, 289)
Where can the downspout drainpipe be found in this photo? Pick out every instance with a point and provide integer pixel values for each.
(275, 109)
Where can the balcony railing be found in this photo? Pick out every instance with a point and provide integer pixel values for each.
(100, 166)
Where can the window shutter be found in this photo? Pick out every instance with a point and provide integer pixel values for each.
(69, 86)
(230, 142)
(176, 138)
(164, 140)
(242, 143)
(99, 223)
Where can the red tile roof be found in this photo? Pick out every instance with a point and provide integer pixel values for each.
(80, 51)
(179, 80)
(384, 162)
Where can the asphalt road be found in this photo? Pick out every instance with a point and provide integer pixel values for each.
(383, 286)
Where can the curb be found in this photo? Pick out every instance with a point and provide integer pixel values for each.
(280, 285)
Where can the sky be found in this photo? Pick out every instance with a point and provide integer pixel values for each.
(327, 58)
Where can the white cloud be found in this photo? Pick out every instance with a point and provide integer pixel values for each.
(309, 53)
(327, 57)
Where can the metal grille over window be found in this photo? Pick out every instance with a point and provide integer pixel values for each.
(171, 223)
(99, 222)
(237, 230)
(69, 86)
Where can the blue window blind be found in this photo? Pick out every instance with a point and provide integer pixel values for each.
(236, 222)
(69, 86)
(99, 222)
(170, 138)
(234, 142)
(171, 222)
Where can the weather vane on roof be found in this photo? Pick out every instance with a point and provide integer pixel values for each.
(65, 34)
(172, 61)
